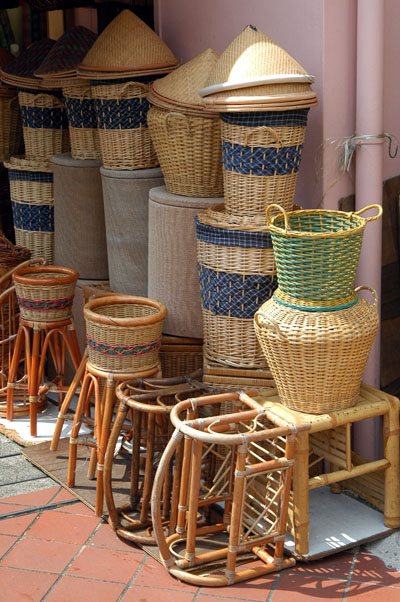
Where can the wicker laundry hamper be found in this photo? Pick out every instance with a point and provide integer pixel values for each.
(237, 274)
(32, 200)
(82, 122)
(317, 359)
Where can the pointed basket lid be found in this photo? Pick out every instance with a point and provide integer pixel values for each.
(128, 44)
(183, 84)
(67, 52)
(252, 59)
(26, 64)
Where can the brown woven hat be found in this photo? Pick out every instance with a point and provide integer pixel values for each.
(67, 52)
(128, 44)
(183, 84)
(253, 59)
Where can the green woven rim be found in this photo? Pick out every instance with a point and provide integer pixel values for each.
(333, 305)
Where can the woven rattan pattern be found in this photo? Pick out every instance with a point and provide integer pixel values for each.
(10, 126)
(317, 358)
(43, 296)
(40, 244)
(85, 143)
(237, 260)
(189, 152)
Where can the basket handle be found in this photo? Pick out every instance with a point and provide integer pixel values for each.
(176, 114)
(374, 217)
(281, 210)
(57, 103)
(129, 84)
(7, 243)
(269, 323)
(263, 128)
(371, 290)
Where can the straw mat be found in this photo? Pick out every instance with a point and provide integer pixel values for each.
(69, 50)
(128, 44)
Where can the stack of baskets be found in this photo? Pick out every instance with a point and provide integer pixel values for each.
(262, 96)
(125, 58)
(316, 332)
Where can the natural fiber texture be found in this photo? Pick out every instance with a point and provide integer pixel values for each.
(183, 84)
(317, 253)
(12, 255)
(40, 301)
(66, 54)
(232, 379)
(121, 111)
(40, 244)
(317, 358)
(82, 121)
(218, 217)
(28, 61)
(180, 356)
(45, 125)
(128, 44)
(189, 151)
(10, 124)
(120, 348)
(261, 162)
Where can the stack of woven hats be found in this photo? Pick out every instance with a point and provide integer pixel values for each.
(262, 96)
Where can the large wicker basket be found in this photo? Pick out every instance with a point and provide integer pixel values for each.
(121, 111)
(237, 274)
(82, 121)
(261, 154)
(317, 358)
(10, 123)
(317, 253)
(124, 332)
(45, 293)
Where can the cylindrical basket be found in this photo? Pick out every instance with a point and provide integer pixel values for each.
(44, 125)
(317, 253)
(82, 121)
(237, 274)
(317, 358)
(32, 200)
(45, 293)
(189, 151)
(261, 154)
(10, 124)
(124, 332)
(121, 111)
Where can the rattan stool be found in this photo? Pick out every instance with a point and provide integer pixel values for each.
(243, 459)
(44, 295)
(149, 403)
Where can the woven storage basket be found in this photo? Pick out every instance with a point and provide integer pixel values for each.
(45, 293)
(124, 332)
(317, 358)
(82, 121)
(261, 155)
(237, 274)
(317, 253)
(121, 111)
(10, 124)
(32, 200)
(11, 255)
(44, 125)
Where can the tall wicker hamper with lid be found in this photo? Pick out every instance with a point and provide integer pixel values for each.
(82, 121)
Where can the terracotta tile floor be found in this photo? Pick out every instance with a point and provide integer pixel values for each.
(68, 555)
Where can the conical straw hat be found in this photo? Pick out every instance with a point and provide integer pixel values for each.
(67, 52)
(128, 44)
(183, 84)
(26, 64)
(251, 59)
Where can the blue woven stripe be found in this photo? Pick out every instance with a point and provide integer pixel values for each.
(30, 176)
(234, 295)
(47, 117)
(35, 218)
(232, 238)
(260, 161)
(125, 113)
(269, 118)
(81, 112)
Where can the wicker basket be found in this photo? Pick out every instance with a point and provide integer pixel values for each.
(124, 332)
(261, 155)
(11, 255)
(10, 124)
(121, 111)
(82, 121)
(32, 200)
(180, 356)
(317, 253)
(45, 293)
(237, 274)
(317, 358)
(44, 125)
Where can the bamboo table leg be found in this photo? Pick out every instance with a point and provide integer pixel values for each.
(34, 380)
(103, 440)
(301, 493)
(12, 376)
(391, 452)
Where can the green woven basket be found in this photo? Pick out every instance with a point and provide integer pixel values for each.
(317, 253)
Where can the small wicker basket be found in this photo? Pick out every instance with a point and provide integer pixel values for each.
(317, 359)
(82, 121)
(45, 293)
(124, 332)
(317, 253)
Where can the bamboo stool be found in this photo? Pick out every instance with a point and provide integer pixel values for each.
(45, 324)
(330, 439)
(242, 459)
(149, 402)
